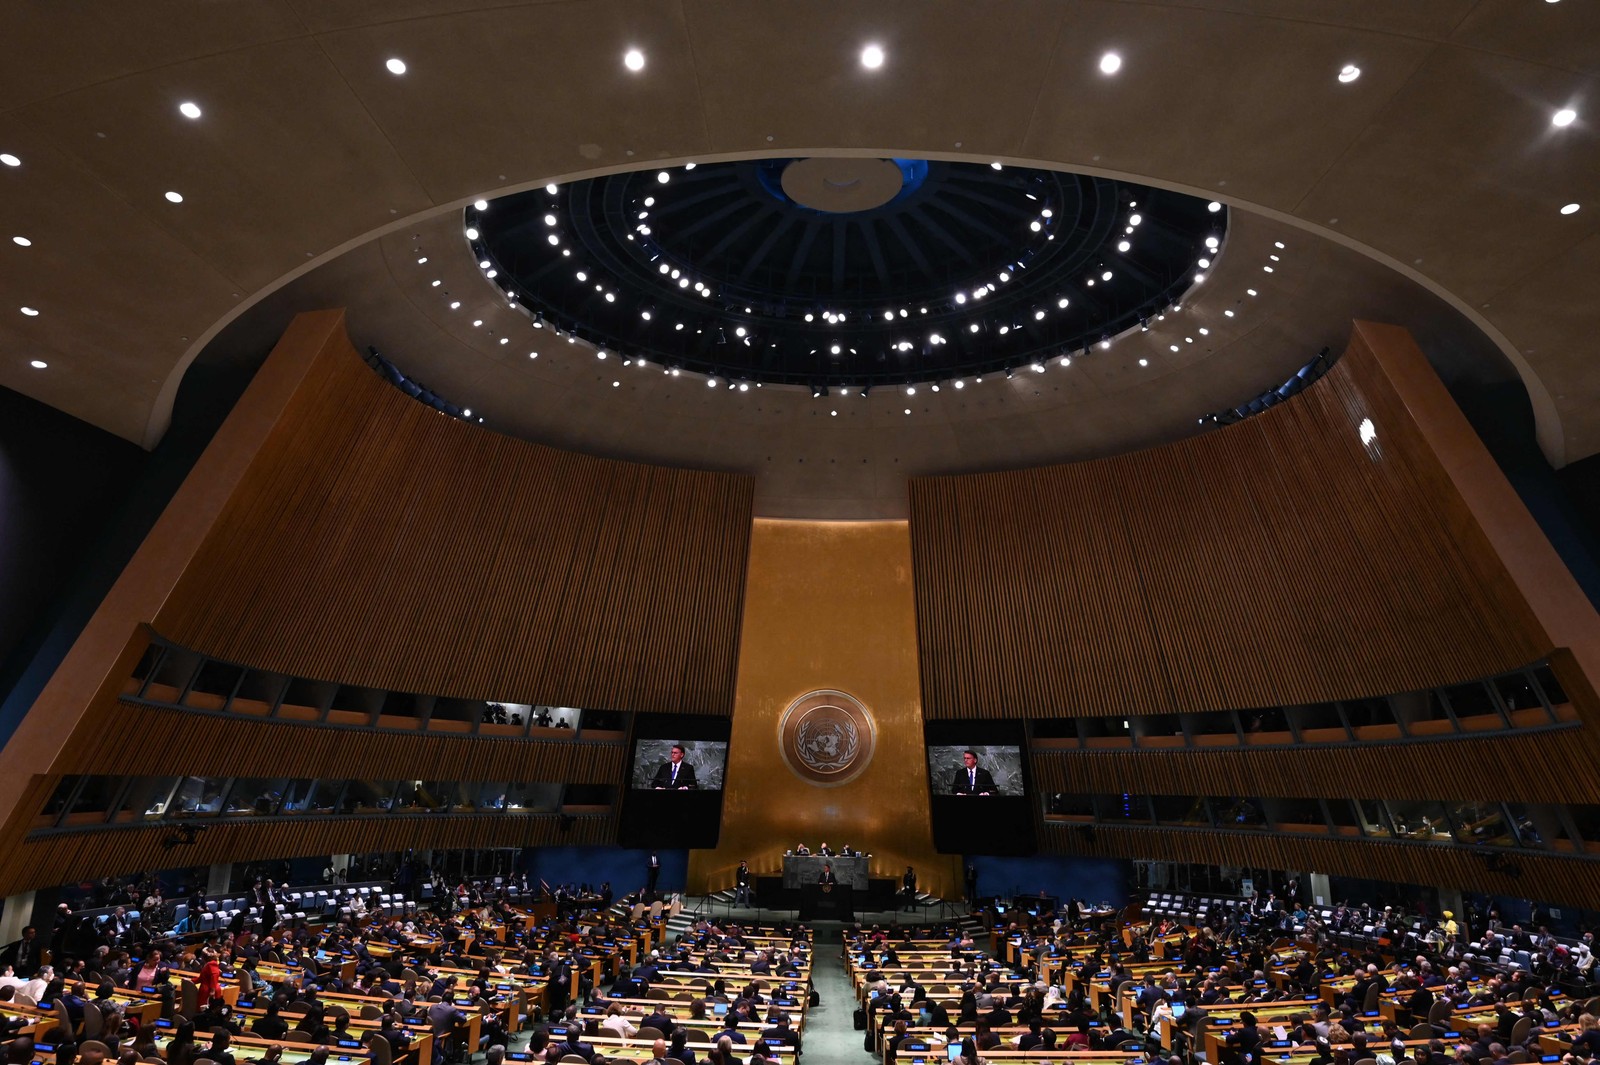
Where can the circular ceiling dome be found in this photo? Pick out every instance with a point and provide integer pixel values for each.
(845, 272)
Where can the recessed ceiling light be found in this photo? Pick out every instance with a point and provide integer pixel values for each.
(1123, 245)
(9, 159)
(421, 259)
(550, 188)
(1268, 269)
(1213, 206)
(663, 177)
(1135, 219)
(1144, 362)
(174, 197)
(26, 243)
(1564, 117)
(30, 312)
(1251, 291)
(1110, 63)
(189, 109)
(39, 364)
(1278, 244)
(1570, 208)
(1349, 72)
(480, 205)
(396, 65)
(996, 166)
(455, 305)
(437, 283)
(872, 57)
(633, 59)
(1106, 276)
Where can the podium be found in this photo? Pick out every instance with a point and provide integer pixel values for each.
(835, 902)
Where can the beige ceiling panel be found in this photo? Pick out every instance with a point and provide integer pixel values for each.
(283, 160)
(50, 48)
(1552, 312)
(1566, 35)
(1250, 108)
(117, 295)
(323, 15)
(528, 92)
(1417, 18)
(953, 72)
(1463, 175)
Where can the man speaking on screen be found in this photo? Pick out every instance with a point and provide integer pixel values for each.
(675, 774)
(972, 780)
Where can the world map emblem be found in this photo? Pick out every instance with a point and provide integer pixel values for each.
(827, 737)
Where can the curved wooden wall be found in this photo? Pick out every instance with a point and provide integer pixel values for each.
(1546, 878)
(67, 856)
(1546, 766)
(1276, 561)
(375, 541)
(139, 740)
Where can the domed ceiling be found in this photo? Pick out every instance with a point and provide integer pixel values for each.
(845, 272)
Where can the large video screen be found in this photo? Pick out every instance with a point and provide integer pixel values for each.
(981, 769)
(678, 765)
(978, 787)
(676, 774)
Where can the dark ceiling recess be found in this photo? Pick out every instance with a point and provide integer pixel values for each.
(756, 272)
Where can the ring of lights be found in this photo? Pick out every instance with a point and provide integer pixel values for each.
(845, 273)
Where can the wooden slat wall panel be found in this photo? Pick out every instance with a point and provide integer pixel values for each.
(137, 740)
(377, 542)
(1547, 878)
(1276, 561)
(1552, 766)
(73, 856)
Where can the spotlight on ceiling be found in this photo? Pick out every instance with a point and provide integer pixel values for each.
(1110, 63)
(189, 109)
(1570, 208)
(1349, 72)
(663, 177)
(633, 59)
(1564, 117)
(872, 57)
(396, 66)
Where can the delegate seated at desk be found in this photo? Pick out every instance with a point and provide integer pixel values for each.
(675, 773)
(973, 780)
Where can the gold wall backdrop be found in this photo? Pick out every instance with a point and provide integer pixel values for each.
(827, 605)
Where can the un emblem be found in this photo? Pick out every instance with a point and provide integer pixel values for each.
(827, 737)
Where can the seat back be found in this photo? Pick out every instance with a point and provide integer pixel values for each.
(1519, 1031)
(1371, 1002)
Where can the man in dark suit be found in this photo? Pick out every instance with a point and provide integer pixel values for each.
(570, 1044)
(780, 1034)
(908, 888)
(660, 1022)
(653, 869)
(972, 780)
(825, 851)
(741, 885)
(827, 876)
(675, 774)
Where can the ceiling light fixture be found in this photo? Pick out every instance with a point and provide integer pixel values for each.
(188, 109)
(174, 197)
(9, 159)
(1564, 117)
(633, 59)
(1570, 208)
(1110, 63)
(30, 312)
(24, 242)
(872, 57)
(39, 364)
(396, 66)
(1123, 246)
(1349, 72)
(663, 177)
